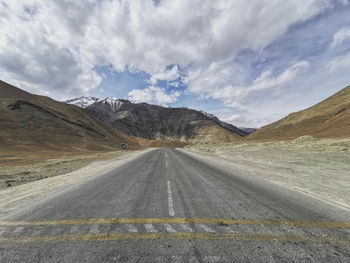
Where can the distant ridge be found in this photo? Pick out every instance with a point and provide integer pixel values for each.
(162, 123)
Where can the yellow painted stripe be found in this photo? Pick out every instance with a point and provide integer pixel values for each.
(175, 236)
(177, 221)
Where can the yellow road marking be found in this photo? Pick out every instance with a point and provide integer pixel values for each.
(175, 236)
(177, 221)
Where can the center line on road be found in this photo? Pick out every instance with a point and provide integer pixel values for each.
(170, 201)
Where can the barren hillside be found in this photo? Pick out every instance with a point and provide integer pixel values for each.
(327, 119)
(31, 122)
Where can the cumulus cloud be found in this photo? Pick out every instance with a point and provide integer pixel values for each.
(218, 82)
(340, 37)
(153, 94)
(167, 75)
(55, 45)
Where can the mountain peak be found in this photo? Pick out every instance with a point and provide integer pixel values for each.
(113, 102)
(82, 102)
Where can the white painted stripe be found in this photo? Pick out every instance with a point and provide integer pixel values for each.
(131, 228)
(94, 229)
(169, 228)
(166, 163)
(74, 229)
(170, 201)
(228, 229)
(150, 228)
(206, 228)
(2, 230)
(186, 228)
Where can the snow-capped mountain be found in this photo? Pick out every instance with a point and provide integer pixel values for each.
(113, 102)
(82, 102)
(159, 122)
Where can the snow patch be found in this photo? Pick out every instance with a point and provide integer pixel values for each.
(82, 102)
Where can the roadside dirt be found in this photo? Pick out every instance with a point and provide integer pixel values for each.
(21, 197)
(318, 167)
(24, 167)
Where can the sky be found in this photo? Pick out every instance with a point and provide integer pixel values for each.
(248, 62)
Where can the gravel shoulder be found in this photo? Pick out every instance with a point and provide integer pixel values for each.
(21, 167)
(20, 197)
(317, 167)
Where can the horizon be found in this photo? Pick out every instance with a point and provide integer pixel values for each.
(248, 71)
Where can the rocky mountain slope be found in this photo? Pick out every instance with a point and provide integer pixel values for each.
(30, 121)
(327, 119)
(164, 123)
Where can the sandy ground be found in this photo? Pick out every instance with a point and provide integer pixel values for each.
(25, 167)
(318, 167)
(23, 196)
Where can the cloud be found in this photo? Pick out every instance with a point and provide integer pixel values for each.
(340, 37)
(339, 62)
(219, 82)
(231, 118)
(153, 94)
(167, 75)
(234, 53)
(36, 50)
(54, 46)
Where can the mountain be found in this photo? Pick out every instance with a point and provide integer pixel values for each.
(327, 119)
(30, 121)
(164, 123)
(82, 102)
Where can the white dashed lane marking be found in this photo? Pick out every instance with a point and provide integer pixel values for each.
(206, 228)
(150, 228)
(131, 228)
(187, 228)
(228, 229)
(169, 228)
(94, 229)
(170, 200)
(74, 229)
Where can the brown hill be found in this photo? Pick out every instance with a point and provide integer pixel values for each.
(327, 119)
(32, 122)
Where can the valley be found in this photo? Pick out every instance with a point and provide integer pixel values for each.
(185, 177)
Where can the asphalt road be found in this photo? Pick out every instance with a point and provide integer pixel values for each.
(169, 206)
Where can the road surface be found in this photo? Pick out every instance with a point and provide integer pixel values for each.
(170, 206)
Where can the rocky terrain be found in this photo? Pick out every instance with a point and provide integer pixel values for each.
(327, 119)
(161, 123)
